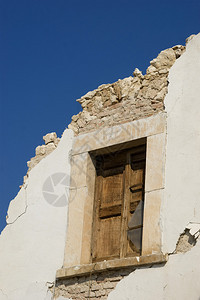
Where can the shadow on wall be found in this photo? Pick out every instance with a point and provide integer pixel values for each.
(92, 285)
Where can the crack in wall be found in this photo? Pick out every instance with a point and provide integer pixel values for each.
(4, 293)
(26, 207)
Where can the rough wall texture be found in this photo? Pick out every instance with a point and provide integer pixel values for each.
(51, 142)
(92, 287)
(128, 99)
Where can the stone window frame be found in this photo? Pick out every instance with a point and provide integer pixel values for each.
(77, 257)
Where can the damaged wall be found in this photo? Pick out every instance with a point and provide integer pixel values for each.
(177, 280)
(32, 244)
(183, 146)
(180, 212)
(128, 99)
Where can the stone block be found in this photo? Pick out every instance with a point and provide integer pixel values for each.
(40, 150)
(50, 137)
(79, 170)
(95, 287)
(75, 228)
(129, 131)
(155, 162)
(151, 240)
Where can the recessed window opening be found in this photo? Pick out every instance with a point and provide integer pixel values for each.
(119, 202)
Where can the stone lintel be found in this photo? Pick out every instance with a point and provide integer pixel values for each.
(126, 132)
(111, 264)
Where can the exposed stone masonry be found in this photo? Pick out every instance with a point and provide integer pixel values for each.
(51, 141)
(185, 242)
(188, 238)
(128, 99)
(96, 286)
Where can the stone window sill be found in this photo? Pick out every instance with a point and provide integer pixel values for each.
(111, 264)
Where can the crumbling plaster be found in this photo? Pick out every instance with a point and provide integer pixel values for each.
(177, 280)
(180, 210)
(51, 142)
(132, 98)
(32, 244)
(182, 188)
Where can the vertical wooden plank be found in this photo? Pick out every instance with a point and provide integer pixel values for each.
(112, 191)
(125, 207)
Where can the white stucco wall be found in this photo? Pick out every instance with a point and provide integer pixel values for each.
(182, 189)
(32, 245)
(179, 278)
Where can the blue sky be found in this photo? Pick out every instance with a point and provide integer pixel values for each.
(53, 52)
